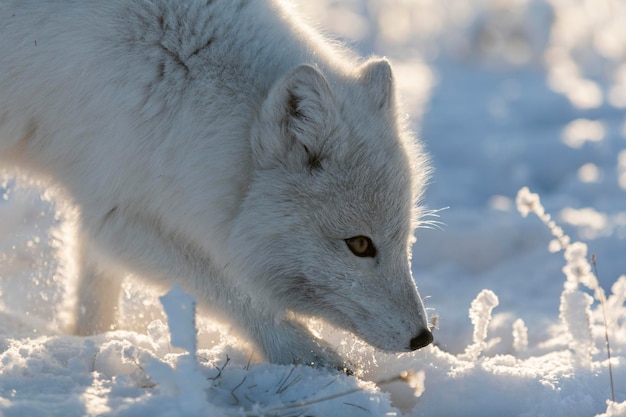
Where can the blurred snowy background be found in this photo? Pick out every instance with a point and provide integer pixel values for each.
(505, 94)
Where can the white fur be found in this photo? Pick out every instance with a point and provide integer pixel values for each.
(225, 146)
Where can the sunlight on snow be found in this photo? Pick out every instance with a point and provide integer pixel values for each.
(586, 32)
(621, 169)
(579, 131)
(617, 92)
(591, 223)
(579, 41)
(589, 173)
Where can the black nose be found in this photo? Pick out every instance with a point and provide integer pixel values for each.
(421, 340)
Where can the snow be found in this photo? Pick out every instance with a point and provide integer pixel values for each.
(506, 95)
(181, 318)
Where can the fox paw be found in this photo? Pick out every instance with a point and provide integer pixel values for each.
(326, 357)
(292, 343)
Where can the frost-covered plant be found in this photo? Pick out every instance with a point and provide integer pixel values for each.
(577, 269)
(575, 311)
(480, 315)
(520, 336)
(184, 381)
(575, 314)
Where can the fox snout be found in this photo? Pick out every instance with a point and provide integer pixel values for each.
(393, 328)
(423, 339)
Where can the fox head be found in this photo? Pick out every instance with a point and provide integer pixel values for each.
(327, 223)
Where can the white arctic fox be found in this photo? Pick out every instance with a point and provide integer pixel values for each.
(225, 146)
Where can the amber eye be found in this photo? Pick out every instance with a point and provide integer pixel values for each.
(361, 246)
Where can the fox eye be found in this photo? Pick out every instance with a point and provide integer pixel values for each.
(361, 246)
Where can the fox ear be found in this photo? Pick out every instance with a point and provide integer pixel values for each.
(377, 77)
(295, 119)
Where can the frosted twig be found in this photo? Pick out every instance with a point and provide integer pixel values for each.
(528, 202)
(232, 392)
(577, 268)
(480, 315)
(220, 369)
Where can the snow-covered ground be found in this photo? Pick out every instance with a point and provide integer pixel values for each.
(506, 94)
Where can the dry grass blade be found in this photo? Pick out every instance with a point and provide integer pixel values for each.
(406, 376)
(606, 328)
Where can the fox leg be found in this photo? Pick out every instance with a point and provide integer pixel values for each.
(150, 252)
(97, 295)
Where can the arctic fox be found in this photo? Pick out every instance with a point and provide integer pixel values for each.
(225, 146)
